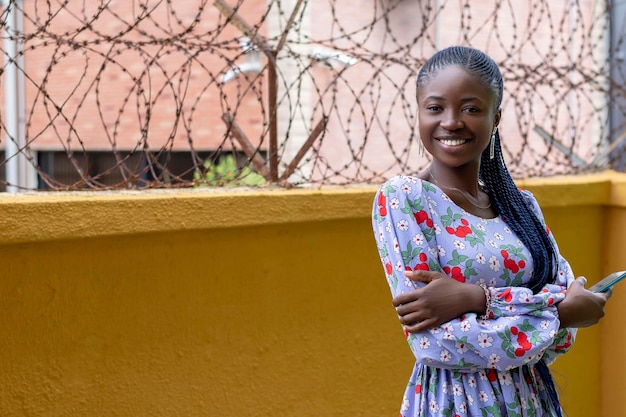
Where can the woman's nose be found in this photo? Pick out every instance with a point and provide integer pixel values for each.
(452, 121)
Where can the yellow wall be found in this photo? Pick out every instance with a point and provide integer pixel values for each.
(242, 303)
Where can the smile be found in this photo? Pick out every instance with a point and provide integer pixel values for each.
(453, 142)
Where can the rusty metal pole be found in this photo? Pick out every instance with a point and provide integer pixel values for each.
(272, 80)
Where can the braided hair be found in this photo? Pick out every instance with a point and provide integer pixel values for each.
(507, 200)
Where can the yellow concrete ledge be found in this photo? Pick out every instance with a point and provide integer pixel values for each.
(52, 216)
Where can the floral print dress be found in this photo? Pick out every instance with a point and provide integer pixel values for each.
(471, 366)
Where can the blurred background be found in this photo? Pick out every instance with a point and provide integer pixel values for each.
(138, 94)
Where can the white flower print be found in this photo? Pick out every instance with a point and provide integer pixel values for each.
(505, 378)
(424, 343)
(441, 251)
(432, 251)
(471, 382)
(494, 263)
(457, 390)
(448, 336)
(480, 258)
(459, 245)
(388, 227)
(403, 225)
(470, 399)
(507, 230)
(396, 245)
(552, 333)
(394, 203)
(482, 375)
(405, 404)
(484, 340)
(483, 396)
(418, 239)
(400, 266)
(463, 408)
(498, 236)
(493, 243)
(434, 408)
(406, 188)
(510, 308)
(465, 326)
(493, 360)
(525, 297)
(461, 347)
(544, 324)
(480, 227)
(381, 235)
(448, 327)
(437, 229)
(492, 281)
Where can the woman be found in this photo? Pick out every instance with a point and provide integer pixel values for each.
(483, 349)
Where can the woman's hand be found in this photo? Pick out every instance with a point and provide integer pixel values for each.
(442, 300)
(581, 307)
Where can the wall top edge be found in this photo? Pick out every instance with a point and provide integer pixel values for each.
(47, 216)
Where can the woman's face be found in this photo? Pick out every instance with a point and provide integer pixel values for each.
(456, 115)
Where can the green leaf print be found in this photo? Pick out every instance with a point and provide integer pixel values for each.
(407, 255)
(456, 258)
(476, 237)
(450, 217)
(468, 365)
(526, 327)
(536, 338)
(514, 250)
(407, 207)
(494, 410)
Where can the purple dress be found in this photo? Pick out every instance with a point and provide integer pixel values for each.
(471, 366)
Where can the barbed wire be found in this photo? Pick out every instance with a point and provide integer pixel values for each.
(152, 93)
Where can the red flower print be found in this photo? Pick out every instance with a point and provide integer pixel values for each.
(519, 352)
(422, 267)
(421, 217)
(455, 273)
(521, 263)
(382, 204)
(491, 375)
(458, 274)
(506, 295)
(388, 268)
(511, 265)
(418, 388)
(522, 339)
(460, 231)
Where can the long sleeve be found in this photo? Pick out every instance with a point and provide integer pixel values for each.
(416, 227)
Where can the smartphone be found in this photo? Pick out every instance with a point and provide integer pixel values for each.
(608, 282)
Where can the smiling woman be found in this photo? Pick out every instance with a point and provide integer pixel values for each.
(477, 278)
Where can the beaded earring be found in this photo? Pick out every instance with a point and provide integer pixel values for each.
(492, 143)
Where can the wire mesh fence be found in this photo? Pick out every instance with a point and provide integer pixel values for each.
(154, 93)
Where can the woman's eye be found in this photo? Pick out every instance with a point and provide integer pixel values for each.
(472, 110)
(433, 108)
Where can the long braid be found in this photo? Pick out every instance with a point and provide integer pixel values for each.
(508, 201)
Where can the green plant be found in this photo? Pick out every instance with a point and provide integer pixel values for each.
(226, 173)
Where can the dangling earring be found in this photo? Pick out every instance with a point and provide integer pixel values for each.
(420, 149)
(492, 144)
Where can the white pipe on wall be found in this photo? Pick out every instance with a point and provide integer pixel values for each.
(14, 136)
